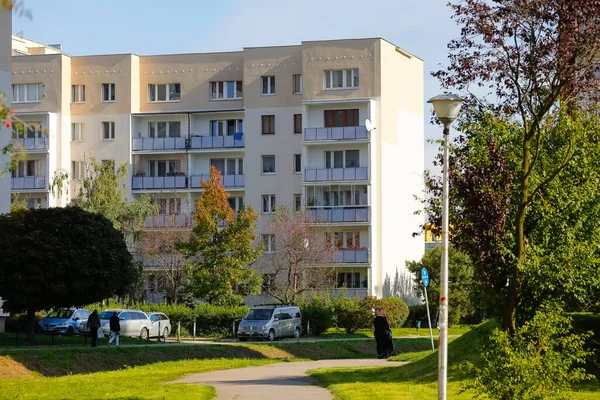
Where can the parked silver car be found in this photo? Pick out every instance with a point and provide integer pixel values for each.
(160, 320)
(105, 317)
(271, 322)
(64, 321)
(134, 323)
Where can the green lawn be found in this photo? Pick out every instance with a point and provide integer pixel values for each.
(397, 332)
(146, 382)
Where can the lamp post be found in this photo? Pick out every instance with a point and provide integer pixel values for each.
(446, 107)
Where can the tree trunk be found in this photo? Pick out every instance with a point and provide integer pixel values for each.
(30, 332)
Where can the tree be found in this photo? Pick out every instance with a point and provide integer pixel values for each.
(461, 285)
(301, 259)
(220, 251)
(60, 257)
(536, 57)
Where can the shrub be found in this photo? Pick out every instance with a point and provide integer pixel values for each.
(536, 363)
(395, 310)
(319, 311)
(417, 313)
(352, 314)
(217, 320)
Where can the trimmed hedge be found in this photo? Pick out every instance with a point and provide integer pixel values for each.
(319, 312)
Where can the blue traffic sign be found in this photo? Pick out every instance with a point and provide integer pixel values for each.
(425, 277)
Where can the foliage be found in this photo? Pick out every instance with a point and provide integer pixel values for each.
(461, 287)
(220, 256)
(319, 311)
(539, 362)
(396, 311)
(417, 312)
(60, 257)
(299, 261)
(351, 314)
(18, 203)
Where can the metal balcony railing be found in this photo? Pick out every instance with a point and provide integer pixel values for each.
(217, 142)
(351, 256)
(337, 133)
(226, 180)
(169, 221)
(170, 143)
(28, 182)
(335, 174)
(31, 144)
(159, 182)
(338, 215)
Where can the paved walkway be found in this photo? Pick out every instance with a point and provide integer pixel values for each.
(275, 381)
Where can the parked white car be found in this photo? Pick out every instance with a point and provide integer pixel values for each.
(160, 320)
(134, 323)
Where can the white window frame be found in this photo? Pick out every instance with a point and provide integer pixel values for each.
(34, 97)
(269, 201)
(77, 131)
(263, 164)
(270, 80)
(111, 93)
(168, 87)
(297, 201)
(111, 130)
(222, 95)
(238, 169)
(239, 203)
(295, 84)
(222, 126)
(328, 78)
(330, 154)
(77, 170)
(77, 94)
(23, 167)
(168, 164)
(172, 205)
(297, 165)
(154, 125)
(268, 241)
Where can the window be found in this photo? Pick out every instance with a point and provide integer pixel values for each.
(297, 163)
(164, 129)
(164, 92)
(167, 206)
(341, 79)
(34, 203)
(27, 130)
(228, 166)
(268, 203)
(78, 94)
(268, 85)
(27, 93)
(339, 118)
(108, 130)
(76, 131)
(226, 127)
(108, 92)
(297, 78)
(342, 159)
(268, 164)
(268, 124)
(297, 202)
(346, 240)
(268, 282)
(28, 168)
(226, 90)
(348, 280)
(297, 123)
(236, 203)
(77, 169)
(165, 168)
(268, 242)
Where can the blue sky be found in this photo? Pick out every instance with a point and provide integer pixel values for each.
(423, 28)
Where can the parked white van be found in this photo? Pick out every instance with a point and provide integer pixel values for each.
(271, 322)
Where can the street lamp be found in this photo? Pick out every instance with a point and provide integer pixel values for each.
(446, 107)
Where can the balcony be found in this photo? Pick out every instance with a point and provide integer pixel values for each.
(229, 181)
(335, 174)
(351, 256)
(338, 215)
(150, 144)
(32, 144)
(336, 133)
(235, 141)
(159, 182)
(169, 221)
(28, 182)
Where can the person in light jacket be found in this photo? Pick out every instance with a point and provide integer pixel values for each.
(115, 328)
(93, 323)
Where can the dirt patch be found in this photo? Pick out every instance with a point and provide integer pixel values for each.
(272, 352)
(11, 369)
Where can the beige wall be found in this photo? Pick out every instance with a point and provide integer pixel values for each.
(44, 69)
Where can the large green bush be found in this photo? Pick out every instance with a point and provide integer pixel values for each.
(319, 312)
(396, 311)
(416, 313)
(351, 314)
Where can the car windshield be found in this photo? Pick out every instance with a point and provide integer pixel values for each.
(106, 314)
(62, 314)
(261, 314)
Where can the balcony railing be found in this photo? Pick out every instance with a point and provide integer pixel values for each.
(159, 182)
(170, 143)
(338, 215)
(351, 292)
(335, 174)
(337, 133)
(169, 221)
(226, 180)
(29, 182)
(29, 144)
(217, 142)
(351, 256)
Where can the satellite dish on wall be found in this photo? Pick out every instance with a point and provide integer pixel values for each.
(369, 125)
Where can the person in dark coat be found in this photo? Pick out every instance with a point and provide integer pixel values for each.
(93, 323)
(115, 328)
(381, 333)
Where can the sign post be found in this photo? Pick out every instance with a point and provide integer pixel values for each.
(425, 280)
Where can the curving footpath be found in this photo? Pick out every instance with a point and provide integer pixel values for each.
(275, 381)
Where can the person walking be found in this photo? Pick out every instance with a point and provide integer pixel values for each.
(115, 329)
(93, 324)
(381, 333)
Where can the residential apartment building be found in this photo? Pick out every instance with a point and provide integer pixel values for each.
(285, 125)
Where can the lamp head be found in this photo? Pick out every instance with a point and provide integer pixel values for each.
(446, 106)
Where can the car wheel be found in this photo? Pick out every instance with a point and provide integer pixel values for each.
(243, 339)
(297, 333)
(144, 334)
(166, 333)
(271, 335)
(70, 331)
